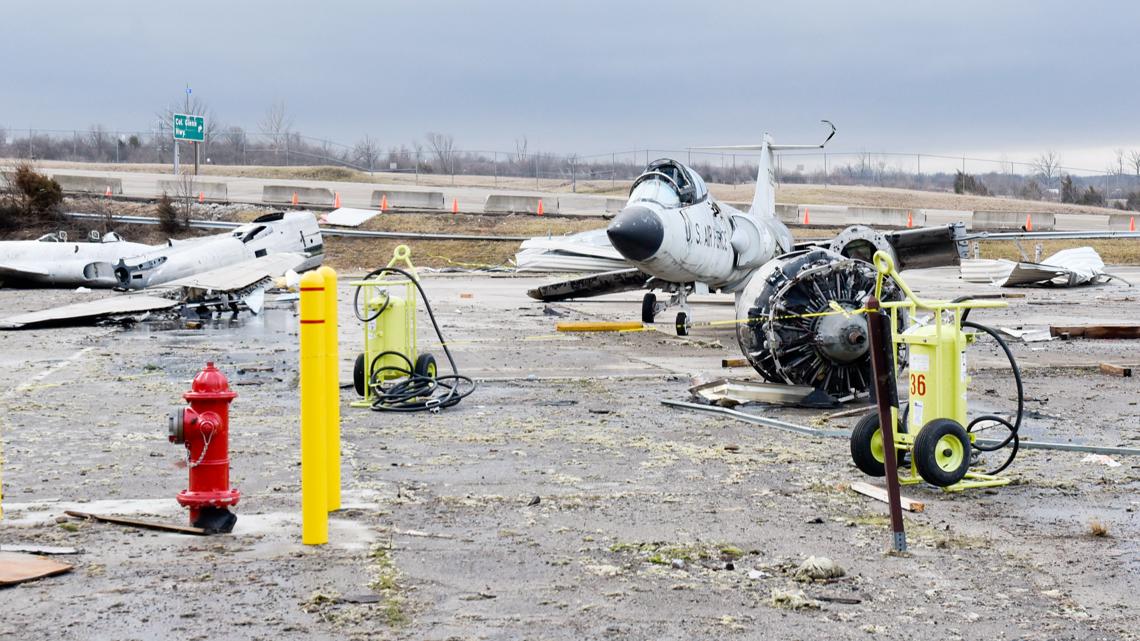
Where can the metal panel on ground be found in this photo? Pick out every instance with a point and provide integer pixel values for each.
(349, 217)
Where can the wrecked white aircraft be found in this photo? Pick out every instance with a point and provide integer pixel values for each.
(114, 263)
(682, 240)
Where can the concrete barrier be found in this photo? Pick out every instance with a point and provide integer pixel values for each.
(1011, 221)
(511, 204)
(788, 214)
(89, 184)
(1123, 222)
(283, 194)
(210, 191)
(409, 199)
(614, 205)
(886, 216)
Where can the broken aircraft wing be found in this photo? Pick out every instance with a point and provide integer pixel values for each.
(90, 312)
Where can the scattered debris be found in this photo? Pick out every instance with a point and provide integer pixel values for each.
(818, 568)
(880, 494)
(535, 501)
(758, 574)
(38, 549)
(1101, 459)
(146, 525)
(734, 362)
(1033, 335)
(1115, 370)
(732, 448)
(792, 599)
(1066, 268)
(16, 567)
(838, 599)
(730, 393)
(553, 311)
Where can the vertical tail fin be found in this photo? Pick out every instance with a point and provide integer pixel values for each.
(764, 200)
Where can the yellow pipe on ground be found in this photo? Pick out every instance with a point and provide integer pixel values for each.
(314, 422)
(332, 388)
(597, 326)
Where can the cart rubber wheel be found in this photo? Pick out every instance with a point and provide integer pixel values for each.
(425, 366)
(682, 324)
(867, 447)
(358, 375)
(942, 452)
(648, 308)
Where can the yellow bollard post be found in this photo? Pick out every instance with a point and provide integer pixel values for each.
(314, 477)
(332, 382)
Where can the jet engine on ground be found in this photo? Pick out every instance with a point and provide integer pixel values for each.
(800, 324)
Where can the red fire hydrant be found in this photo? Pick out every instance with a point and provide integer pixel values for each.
(204, 428)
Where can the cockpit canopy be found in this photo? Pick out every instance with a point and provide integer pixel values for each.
(669, 184)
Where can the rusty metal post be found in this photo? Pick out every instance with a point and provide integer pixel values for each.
(887, 396)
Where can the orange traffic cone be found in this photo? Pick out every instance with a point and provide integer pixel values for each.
(296, 201)
(1028, 222)
(909, 219)
(455, 205)
(336, 200)
(807, 216)
(201, 197)
(383, 202)
(539, 206)
(1131, 223)
(107, 194)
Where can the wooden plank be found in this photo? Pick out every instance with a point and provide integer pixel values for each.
(734, 362)
(16, 567)
(880, 494)
(1096, 331)
(597, 326)
(146, 525)
(1115, 370)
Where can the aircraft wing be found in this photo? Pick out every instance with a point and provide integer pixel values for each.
(622, 280)
(90, 312)
(237, 277)
(23, 273)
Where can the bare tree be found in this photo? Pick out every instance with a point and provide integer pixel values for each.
(234, 138)
(277, 124)
(1047, 165)
(520, 150)
(366, 152)
(1118, 162)
(1134, 160)
(443, 146)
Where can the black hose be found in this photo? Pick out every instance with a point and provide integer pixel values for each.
(414, 391)
(993, 418)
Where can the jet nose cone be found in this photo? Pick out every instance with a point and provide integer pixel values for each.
(636, 232)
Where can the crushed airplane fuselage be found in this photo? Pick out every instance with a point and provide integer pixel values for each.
(118, 264)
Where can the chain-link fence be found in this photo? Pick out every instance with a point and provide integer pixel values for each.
(441, 164)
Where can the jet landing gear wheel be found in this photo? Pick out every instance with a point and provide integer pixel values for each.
(867, 447)
(683, 324)
(942, 452)
(648, 308)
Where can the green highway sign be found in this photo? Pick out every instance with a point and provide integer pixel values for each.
(187, 127)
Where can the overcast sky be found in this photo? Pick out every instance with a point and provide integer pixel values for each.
(596, 76)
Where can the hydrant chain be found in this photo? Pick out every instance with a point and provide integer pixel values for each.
(205, 448)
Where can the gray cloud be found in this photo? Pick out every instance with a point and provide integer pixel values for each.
(592, 76)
